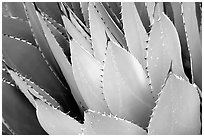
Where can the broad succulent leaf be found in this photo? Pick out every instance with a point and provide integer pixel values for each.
(38, 68)
(62, 61)
(126, 91)
(193, 40)
(18, 112)
(104, 124)
(9, 27)
(54, 121)
(88, 77)
(163, 48)
(177, 110)
(135, 32)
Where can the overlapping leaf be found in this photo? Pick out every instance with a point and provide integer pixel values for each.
(163, 48)
(177, 110)
(126, 90)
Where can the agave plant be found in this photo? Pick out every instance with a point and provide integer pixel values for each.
(101, 68)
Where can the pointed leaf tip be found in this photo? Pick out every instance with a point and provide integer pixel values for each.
(56, 122)
(178, 109)
(87, 73)
(126, 88)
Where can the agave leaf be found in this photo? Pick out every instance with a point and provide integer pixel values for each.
(6, 76)
(40, 39)
(23, 87)
(150, 10)
(163, 48)
(78, 11)
(142, 10)
(58, 26)
(61, 39)
(193, 40)
(177, 110)
(34, 67)
(61, 60)
(26, 86)
(79, 25)
(84, 10)
(103, 124)
(116, 8)
(14, 9)
(75, 34)
(119, 36)
(98, 36)
(168, 10)
(107, 6)
(88, 77)
(56, 122)
(135, 32)
(6, 130)
(13, 27)
(126, 91)
(18, 112)
(178, 22)
(51, 9)
(199, 15)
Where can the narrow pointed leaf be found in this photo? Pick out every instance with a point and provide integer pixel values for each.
(150, 10)
(98, 36)
(18, 112)
(51, 9)
(77, 10)
(84, 9)
(61, 60)
(178, 109)
(34, 67)
(56, 122)
(135, 32)
(163, 48)
(17, 28)
(88, 77)
(40, 38)
(193, 39)
(178, 22)
(126, 88)
(117, 21)
(116, 7)
(142, 10)
(61, 39)
(72, 30)
(109, 125)
(26, 86)
(79, 25)
(110, 24)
